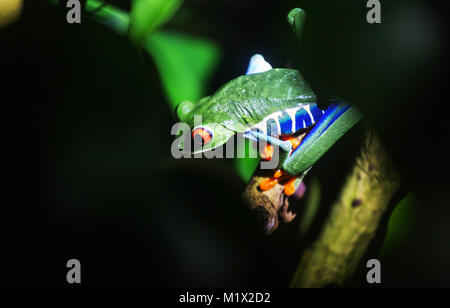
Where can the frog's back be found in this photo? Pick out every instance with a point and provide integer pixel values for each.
(249, 99)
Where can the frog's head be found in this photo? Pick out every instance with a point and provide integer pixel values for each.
(212, 127)
(208, 131)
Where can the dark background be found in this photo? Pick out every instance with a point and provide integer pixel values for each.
(88, 172)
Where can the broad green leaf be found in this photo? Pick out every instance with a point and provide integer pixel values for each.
(185, 64)
(147, 15)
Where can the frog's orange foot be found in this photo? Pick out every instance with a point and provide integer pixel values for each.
(271, 182)
(289, 187)
(295, 187)
(281, 177)
(293, 140)
(267, 152)
(268, 184)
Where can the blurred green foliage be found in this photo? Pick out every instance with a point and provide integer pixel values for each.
(9, 11)
(245, 167)
(185, 63)
(115, 19)
(401, 223)
(312, 204)
(147, 15)
(296, 18)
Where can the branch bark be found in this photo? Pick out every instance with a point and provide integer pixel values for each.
(268, 205)
(353, 220)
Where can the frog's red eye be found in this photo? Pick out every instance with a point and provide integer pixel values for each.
(202, 135)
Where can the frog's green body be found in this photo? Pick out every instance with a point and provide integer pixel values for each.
(274, 105)
(248, 99)
(266, 104)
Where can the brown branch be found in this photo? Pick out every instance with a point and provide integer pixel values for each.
(269, 205)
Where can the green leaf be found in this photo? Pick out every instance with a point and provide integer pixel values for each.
(312, 204)
(401, 223)
(108, 15)
(185, 64)
(147, 15)
(296, 18)
(245, 167)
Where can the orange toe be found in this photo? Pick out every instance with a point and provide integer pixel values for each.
(268, 184)
(278, 174)
(289, 188)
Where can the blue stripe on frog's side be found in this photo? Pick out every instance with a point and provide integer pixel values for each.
(329, 116)
(302, 119)
(316, 112)
(289, 121)
(285, 123)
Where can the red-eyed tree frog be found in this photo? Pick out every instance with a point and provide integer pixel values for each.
(277, 106)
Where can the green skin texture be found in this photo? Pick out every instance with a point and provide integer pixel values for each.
(245, 101)
(318, 144)
(248, 99)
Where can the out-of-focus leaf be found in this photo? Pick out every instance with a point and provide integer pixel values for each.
(185, 64)
(400, 223)
(312, 204)
(147, 15)
(9, 11)
(296, 18)
(245, 167)
(109, 16)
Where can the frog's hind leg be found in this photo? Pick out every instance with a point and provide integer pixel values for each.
(290, 182)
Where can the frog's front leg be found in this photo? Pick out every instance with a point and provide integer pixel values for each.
(286, 146)
(274, 150)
